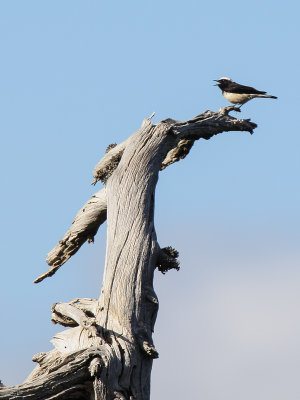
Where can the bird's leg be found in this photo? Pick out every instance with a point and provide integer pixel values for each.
(236, 107)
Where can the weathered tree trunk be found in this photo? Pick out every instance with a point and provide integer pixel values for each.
(128, 304)
(108, 351)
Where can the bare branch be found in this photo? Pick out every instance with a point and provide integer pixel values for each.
(83, 228)
(210, 123)
(204, 126)
(59, 383)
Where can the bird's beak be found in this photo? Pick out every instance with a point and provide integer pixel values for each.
(216, 80)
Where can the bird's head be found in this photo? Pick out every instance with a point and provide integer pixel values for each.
(223, 82)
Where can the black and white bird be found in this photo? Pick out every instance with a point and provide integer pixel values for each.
(239, 94)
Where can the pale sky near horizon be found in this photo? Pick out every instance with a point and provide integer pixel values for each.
(79, 75)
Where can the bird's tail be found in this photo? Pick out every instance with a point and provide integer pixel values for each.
(267, 96)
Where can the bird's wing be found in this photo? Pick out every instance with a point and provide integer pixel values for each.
(237, 88)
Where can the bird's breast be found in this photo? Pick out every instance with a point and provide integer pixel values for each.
(236, 98)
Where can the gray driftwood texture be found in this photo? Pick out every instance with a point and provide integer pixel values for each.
(107, 352)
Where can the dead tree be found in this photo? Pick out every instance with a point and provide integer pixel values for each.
(108, 350)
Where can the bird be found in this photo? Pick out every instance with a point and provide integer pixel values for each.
(239, 94)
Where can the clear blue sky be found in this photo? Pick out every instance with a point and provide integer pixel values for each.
(79, 75)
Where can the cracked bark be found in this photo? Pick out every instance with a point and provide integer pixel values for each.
(107, 352)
